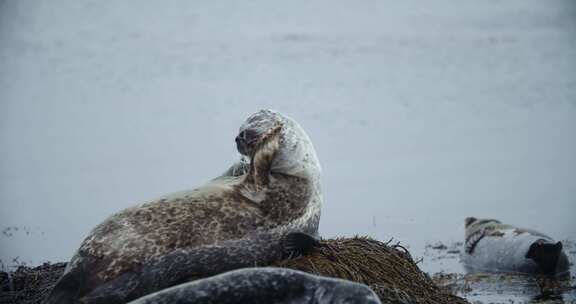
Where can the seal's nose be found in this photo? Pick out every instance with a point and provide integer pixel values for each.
(241, 137)
(241, 142)
(246, 140)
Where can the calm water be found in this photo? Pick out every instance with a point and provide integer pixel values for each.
(421, 113)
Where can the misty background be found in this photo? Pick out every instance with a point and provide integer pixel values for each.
(422, 112)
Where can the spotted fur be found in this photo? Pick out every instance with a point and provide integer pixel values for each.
(236, 220)
(264, 285)
(495, 247)
(476, 229)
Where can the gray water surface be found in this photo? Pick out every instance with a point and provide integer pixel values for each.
(422, 113)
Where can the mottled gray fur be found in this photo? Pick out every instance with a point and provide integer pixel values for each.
(234, 221)
(264, 285)
(495, 247)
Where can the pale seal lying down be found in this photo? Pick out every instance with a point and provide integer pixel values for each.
(495, 247)
(240, 219)
(264, 285)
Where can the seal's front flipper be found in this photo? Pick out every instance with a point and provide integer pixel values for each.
(546, 255)
(298, 243)
(263, 156)
(65, 291)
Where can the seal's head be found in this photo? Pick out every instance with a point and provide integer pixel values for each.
(296, 155)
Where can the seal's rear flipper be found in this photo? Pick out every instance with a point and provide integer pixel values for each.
(469, 220)
(546, 255)
(298, 243)
(66, 290)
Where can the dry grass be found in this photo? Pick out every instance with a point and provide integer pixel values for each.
(388, 269)
(29, 285)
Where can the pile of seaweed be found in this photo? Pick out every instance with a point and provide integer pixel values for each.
(29, 285)
(387, 268)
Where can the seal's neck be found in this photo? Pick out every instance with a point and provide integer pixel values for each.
(296, 155)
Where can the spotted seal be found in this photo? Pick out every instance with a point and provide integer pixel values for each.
(264, 285)
(239, 219)
(495, 247)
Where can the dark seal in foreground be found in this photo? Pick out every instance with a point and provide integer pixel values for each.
(237, 220)
(495, 247)
(264, 285)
